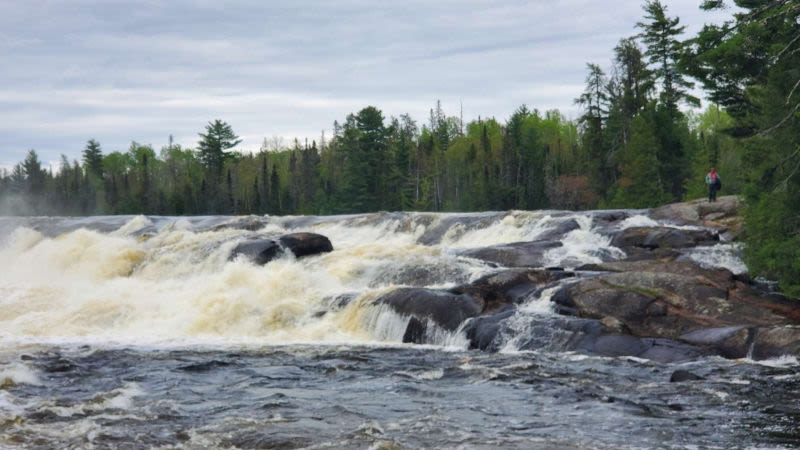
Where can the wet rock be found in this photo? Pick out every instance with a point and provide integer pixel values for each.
(205, 366)
(262, 251)
(415, 331)
(519, 254)
(660, 350)
(306, 244)
(663, 237)
(416, 274)
(680, 376)
(482, 331)
(730, 342)
(455, 226)
(259, 251)
(249, 223)
(559, 230)
(557, 334)
(510, 286)
(59, 365)
(446, 309)
(774, 342)
(721, 278)
(668, 305)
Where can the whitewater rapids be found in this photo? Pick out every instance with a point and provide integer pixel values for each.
(168, 281)
(140, 332)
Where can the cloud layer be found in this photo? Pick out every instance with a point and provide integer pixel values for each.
(122, 70)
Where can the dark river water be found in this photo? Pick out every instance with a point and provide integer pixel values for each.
(390, 397)
(140, 333)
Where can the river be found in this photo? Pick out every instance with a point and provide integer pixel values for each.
(140, 332)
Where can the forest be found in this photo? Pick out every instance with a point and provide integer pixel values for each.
(643, 139)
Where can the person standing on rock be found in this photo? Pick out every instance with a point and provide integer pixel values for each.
(714, 184)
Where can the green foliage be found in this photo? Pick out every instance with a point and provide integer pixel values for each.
(640, 184)
(752, 68)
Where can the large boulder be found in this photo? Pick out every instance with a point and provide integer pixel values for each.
(306, 244)
(446, 309)
(262, 251)
(773, 342)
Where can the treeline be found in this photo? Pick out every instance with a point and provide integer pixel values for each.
(636, 144)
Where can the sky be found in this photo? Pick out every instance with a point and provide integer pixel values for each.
(121, 71)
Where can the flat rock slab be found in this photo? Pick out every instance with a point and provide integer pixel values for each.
(663, 237)
(668, 305)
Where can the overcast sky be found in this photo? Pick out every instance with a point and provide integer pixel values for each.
(119, 71)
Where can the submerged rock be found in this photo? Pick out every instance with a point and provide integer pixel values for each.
(259, 251)
(262, 251)
(679, 376)
(518, 254)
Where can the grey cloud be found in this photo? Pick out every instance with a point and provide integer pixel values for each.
(124, 70)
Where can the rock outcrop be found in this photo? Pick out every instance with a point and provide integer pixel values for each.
(654, 303)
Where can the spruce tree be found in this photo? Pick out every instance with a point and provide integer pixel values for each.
(93, 159)
(214, 145)
(660, 34)
(640, 184)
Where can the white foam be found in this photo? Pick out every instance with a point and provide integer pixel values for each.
(720, 256)
(582, 246)
(520, 323)
(517, 226)
(638, 221)
(18, 373)
(780, 362)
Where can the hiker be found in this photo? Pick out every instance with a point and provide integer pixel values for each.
(714, 184)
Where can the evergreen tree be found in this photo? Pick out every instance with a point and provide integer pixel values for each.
(34, 174)
(640, 184)
(595, 101)
(214, 145)
(751, 68)
(660, 34)
(93, 159)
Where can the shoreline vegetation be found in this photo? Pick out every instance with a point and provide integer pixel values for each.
(638, 144)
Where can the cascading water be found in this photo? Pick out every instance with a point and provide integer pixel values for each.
(167, 280)
(142, 330)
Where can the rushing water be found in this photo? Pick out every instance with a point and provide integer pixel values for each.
(138, 332)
